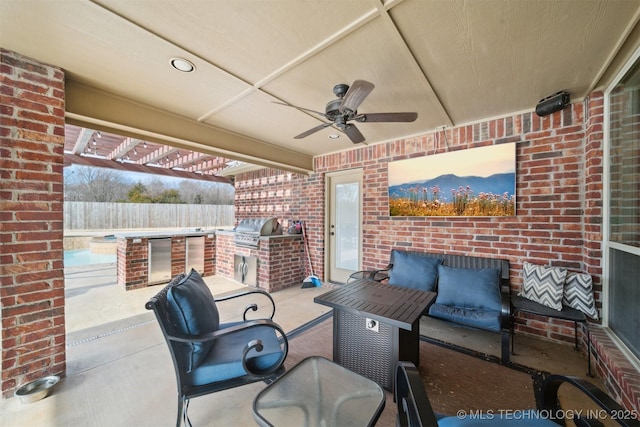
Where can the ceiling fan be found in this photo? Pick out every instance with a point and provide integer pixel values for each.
(342, 110)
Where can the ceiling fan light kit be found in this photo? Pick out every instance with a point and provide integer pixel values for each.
(344, 109)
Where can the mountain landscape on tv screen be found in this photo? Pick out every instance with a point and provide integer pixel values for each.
(497, 184)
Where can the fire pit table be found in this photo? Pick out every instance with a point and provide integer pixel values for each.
(375, 325)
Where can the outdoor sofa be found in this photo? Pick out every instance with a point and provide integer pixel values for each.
(472, 291)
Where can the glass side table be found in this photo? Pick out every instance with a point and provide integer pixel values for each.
(317, 392)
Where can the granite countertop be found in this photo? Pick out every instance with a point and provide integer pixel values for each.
(274, 236)
(189, 232)
(164, 233)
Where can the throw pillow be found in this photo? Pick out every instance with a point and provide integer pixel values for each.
(477, 288)
(543, 284)
(413, 270)
(578, 294)
(194, 310)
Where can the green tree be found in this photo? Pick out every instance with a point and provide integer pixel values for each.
(169, 196)
(138, 194)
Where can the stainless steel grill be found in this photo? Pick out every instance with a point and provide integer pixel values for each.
(248, 231)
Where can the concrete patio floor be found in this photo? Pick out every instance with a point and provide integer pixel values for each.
(119, 371)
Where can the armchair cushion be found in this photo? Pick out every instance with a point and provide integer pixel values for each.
(224, 360)
(476, 288)
(192, 305)
(414, 270)
(525, 418)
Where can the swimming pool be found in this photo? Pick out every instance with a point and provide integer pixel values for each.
(80, 257)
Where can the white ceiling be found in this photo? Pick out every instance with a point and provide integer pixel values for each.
(452, 61)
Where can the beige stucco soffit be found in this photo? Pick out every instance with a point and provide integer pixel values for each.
(95, 109)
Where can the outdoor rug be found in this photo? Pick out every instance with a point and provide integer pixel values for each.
(455, 379)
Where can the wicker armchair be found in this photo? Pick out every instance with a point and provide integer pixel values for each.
(209, 356)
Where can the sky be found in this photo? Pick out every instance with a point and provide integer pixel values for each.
(482, 162)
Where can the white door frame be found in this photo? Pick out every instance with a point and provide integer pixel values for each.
(330, 179)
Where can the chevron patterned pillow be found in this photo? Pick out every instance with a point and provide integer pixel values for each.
(578, 294)
(543, 284)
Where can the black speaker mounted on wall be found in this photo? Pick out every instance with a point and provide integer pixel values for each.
(552, 103)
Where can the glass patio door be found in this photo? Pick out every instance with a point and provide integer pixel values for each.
(344, 219)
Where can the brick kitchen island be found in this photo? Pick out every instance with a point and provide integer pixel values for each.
(133, 256)
(279, 259)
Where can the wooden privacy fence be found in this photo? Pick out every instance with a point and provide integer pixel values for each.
(101, 216)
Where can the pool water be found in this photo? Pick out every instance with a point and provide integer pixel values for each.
(85, 257)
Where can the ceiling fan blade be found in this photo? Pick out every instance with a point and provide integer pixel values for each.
(358, 91)
(387, 117)
(299, 108)
(354, 134)
(312, 130)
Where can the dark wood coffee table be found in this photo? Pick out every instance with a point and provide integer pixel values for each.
(375, 325)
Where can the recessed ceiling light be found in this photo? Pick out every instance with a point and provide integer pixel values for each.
(183, 65)
(334, 136)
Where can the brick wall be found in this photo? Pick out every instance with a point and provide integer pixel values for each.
(280, 260)
(558, 214)
(620, 377)
(225, 252)
(558, 218)
(209, 255)
(31, 212)
(178, 255)
(281, 263)
(288, 197)
(269, 193)
(559, 199)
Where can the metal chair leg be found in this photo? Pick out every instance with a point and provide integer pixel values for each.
(589, 374)
(180, 411)
(513, 316)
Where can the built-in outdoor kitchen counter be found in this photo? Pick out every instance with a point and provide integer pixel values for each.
(271, 262)
(276, 263)
(149, 258)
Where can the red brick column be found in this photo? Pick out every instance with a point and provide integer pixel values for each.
(282, 263)
(133, 266)
(209, 255)
(31, 218)
(593, 191)
(225, 251)
(178, 255)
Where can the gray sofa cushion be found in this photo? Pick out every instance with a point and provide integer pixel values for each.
(477, 288)
(412, 270)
